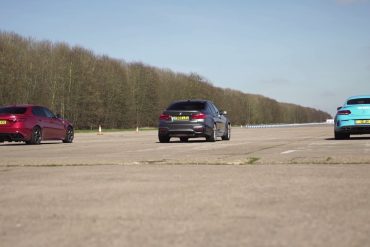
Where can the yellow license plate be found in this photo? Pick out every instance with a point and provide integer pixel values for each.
(367, 121)
(2, 122)
(180, 118)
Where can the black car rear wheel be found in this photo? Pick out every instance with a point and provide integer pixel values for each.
(36, 136)
(227, 134)
(213, 136)
(341, 136)
(184, 139)
(163, 138)
(69, 135)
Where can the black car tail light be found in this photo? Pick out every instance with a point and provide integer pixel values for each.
(344, 112)
(165, 117)
(199, 116)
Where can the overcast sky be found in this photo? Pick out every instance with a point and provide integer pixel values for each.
(314, 53)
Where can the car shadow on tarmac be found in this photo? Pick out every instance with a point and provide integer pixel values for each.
(352, 138)
(9, 144)
(189, 141)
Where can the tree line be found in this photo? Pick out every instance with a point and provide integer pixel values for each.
(92, 90)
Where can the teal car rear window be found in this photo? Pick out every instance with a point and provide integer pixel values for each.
(360, 101)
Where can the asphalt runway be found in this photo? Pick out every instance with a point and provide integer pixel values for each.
(265, 187)
(300, 145)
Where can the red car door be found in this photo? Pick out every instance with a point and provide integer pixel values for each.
(55, 126)
(41, 119)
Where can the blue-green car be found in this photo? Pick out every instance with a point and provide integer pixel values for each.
(353, 118)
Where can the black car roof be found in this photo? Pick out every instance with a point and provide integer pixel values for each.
(193, 100)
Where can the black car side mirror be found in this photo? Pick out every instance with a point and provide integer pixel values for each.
(59, 116)
(223, 112)
(338, 108)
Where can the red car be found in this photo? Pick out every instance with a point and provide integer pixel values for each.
(32, 124)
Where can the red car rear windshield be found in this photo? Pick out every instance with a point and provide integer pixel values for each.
(13, 110)
(360, 101)
(187, 106)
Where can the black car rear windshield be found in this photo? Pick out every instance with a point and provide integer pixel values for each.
(13, 110)
(358, 101)
(187, 106)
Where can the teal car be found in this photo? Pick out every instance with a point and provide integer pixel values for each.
(353, 118)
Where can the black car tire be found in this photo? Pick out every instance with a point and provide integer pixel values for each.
(341, 136)
(212, 137)
(227, 134)
(184, 139)
(36, 136)
(164, 138)
(69, 135)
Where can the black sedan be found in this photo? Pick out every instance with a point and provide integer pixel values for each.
(192, 119)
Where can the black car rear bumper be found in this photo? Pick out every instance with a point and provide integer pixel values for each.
(186, 130)
(9, 137)
(354, 129)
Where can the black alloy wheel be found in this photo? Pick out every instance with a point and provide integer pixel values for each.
(227, 133)
(213, 136)
(69, 135)
(36, 136)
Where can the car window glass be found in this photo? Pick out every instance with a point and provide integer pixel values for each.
(359, 101)
(187, 106)
(215, 109)
(211, 109)
(37, 111)
(13, 110)
(48, 113)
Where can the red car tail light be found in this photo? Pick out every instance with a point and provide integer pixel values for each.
(19, 120)
(344, 112)
(165, 117)
(12, 120)
(199, 128)
(199, 116)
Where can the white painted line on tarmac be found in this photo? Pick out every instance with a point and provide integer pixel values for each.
(288, 151)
